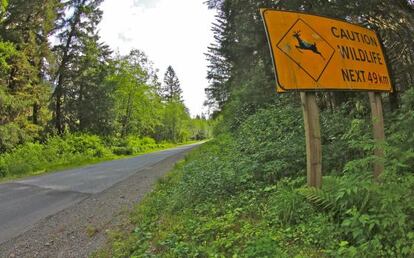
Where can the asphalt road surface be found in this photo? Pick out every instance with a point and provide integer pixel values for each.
(25, 202)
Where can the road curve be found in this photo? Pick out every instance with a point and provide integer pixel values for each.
(24, 202)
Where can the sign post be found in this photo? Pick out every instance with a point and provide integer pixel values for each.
(314, 53)
(378, 128)
(313, 139)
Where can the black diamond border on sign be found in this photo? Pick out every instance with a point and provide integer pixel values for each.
(284, 36)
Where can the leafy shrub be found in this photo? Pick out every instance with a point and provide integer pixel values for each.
(400, 148)
(90, 145)
(10, 135)
(344, 138)
(213, 176)
(272, 144)
(287, 206)
(70, 149)
(28, 157)
(56, 151)
(122, 151)
(134, 145)
(3, 167)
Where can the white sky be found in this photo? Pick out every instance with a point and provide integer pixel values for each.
(170, 32)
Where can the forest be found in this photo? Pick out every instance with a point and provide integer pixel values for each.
(67, 98)
(244, 193)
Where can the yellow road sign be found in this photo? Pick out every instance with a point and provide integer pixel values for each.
(317, 53)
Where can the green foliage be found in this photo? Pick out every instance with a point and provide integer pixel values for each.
(344, 138)
(34, 157)
(70, 150)
(175, 122)
(351, 216)
(78, 85)
(24, 51)
(3, 6)
(216, 180)
(133, 145)
(240, 70)
(171, 90)
(10, 136)
(79, 55)
(400, 147)
(271, 143)
(244, 195)
(200, 129)
(7, 51)
(136, 106)
(12, 104)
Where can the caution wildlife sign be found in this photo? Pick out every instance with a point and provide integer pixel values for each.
(311, 52)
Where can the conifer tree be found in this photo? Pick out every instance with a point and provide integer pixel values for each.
(76, 31)
(171, 90)
(25, 28)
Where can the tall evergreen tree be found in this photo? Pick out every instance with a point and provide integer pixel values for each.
(171, 90)
(218, 73)
(25, 28)
(77, 29)
(91, 105)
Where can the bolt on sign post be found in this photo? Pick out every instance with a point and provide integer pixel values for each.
(314, 53)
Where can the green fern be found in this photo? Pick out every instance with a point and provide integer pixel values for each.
(340, 193)
(318, 198)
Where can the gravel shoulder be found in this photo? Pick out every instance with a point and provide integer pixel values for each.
(81, 229)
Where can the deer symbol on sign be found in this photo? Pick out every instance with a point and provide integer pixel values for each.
(304, 45)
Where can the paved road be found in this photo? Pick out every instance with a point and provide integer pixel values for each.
(24, 202)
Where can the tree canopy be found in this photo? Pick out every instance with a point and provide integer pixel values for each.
(77, 84)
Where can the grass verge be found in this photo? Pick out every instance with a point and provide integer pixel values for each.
(58, 154)
(208, 206)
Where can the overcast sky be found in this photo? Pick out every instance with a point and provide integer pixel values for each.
(174, 33)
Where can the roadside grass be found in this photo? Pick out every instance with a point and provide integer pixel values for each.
(74, 151)
(244, 195)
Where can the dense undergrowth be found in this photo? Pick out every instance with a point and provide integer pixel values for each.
(244, 194)
(71, 150)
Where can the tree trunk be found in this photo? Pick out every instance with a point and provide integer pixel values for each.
(81, 109)
(35, 116)
(58, 113)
